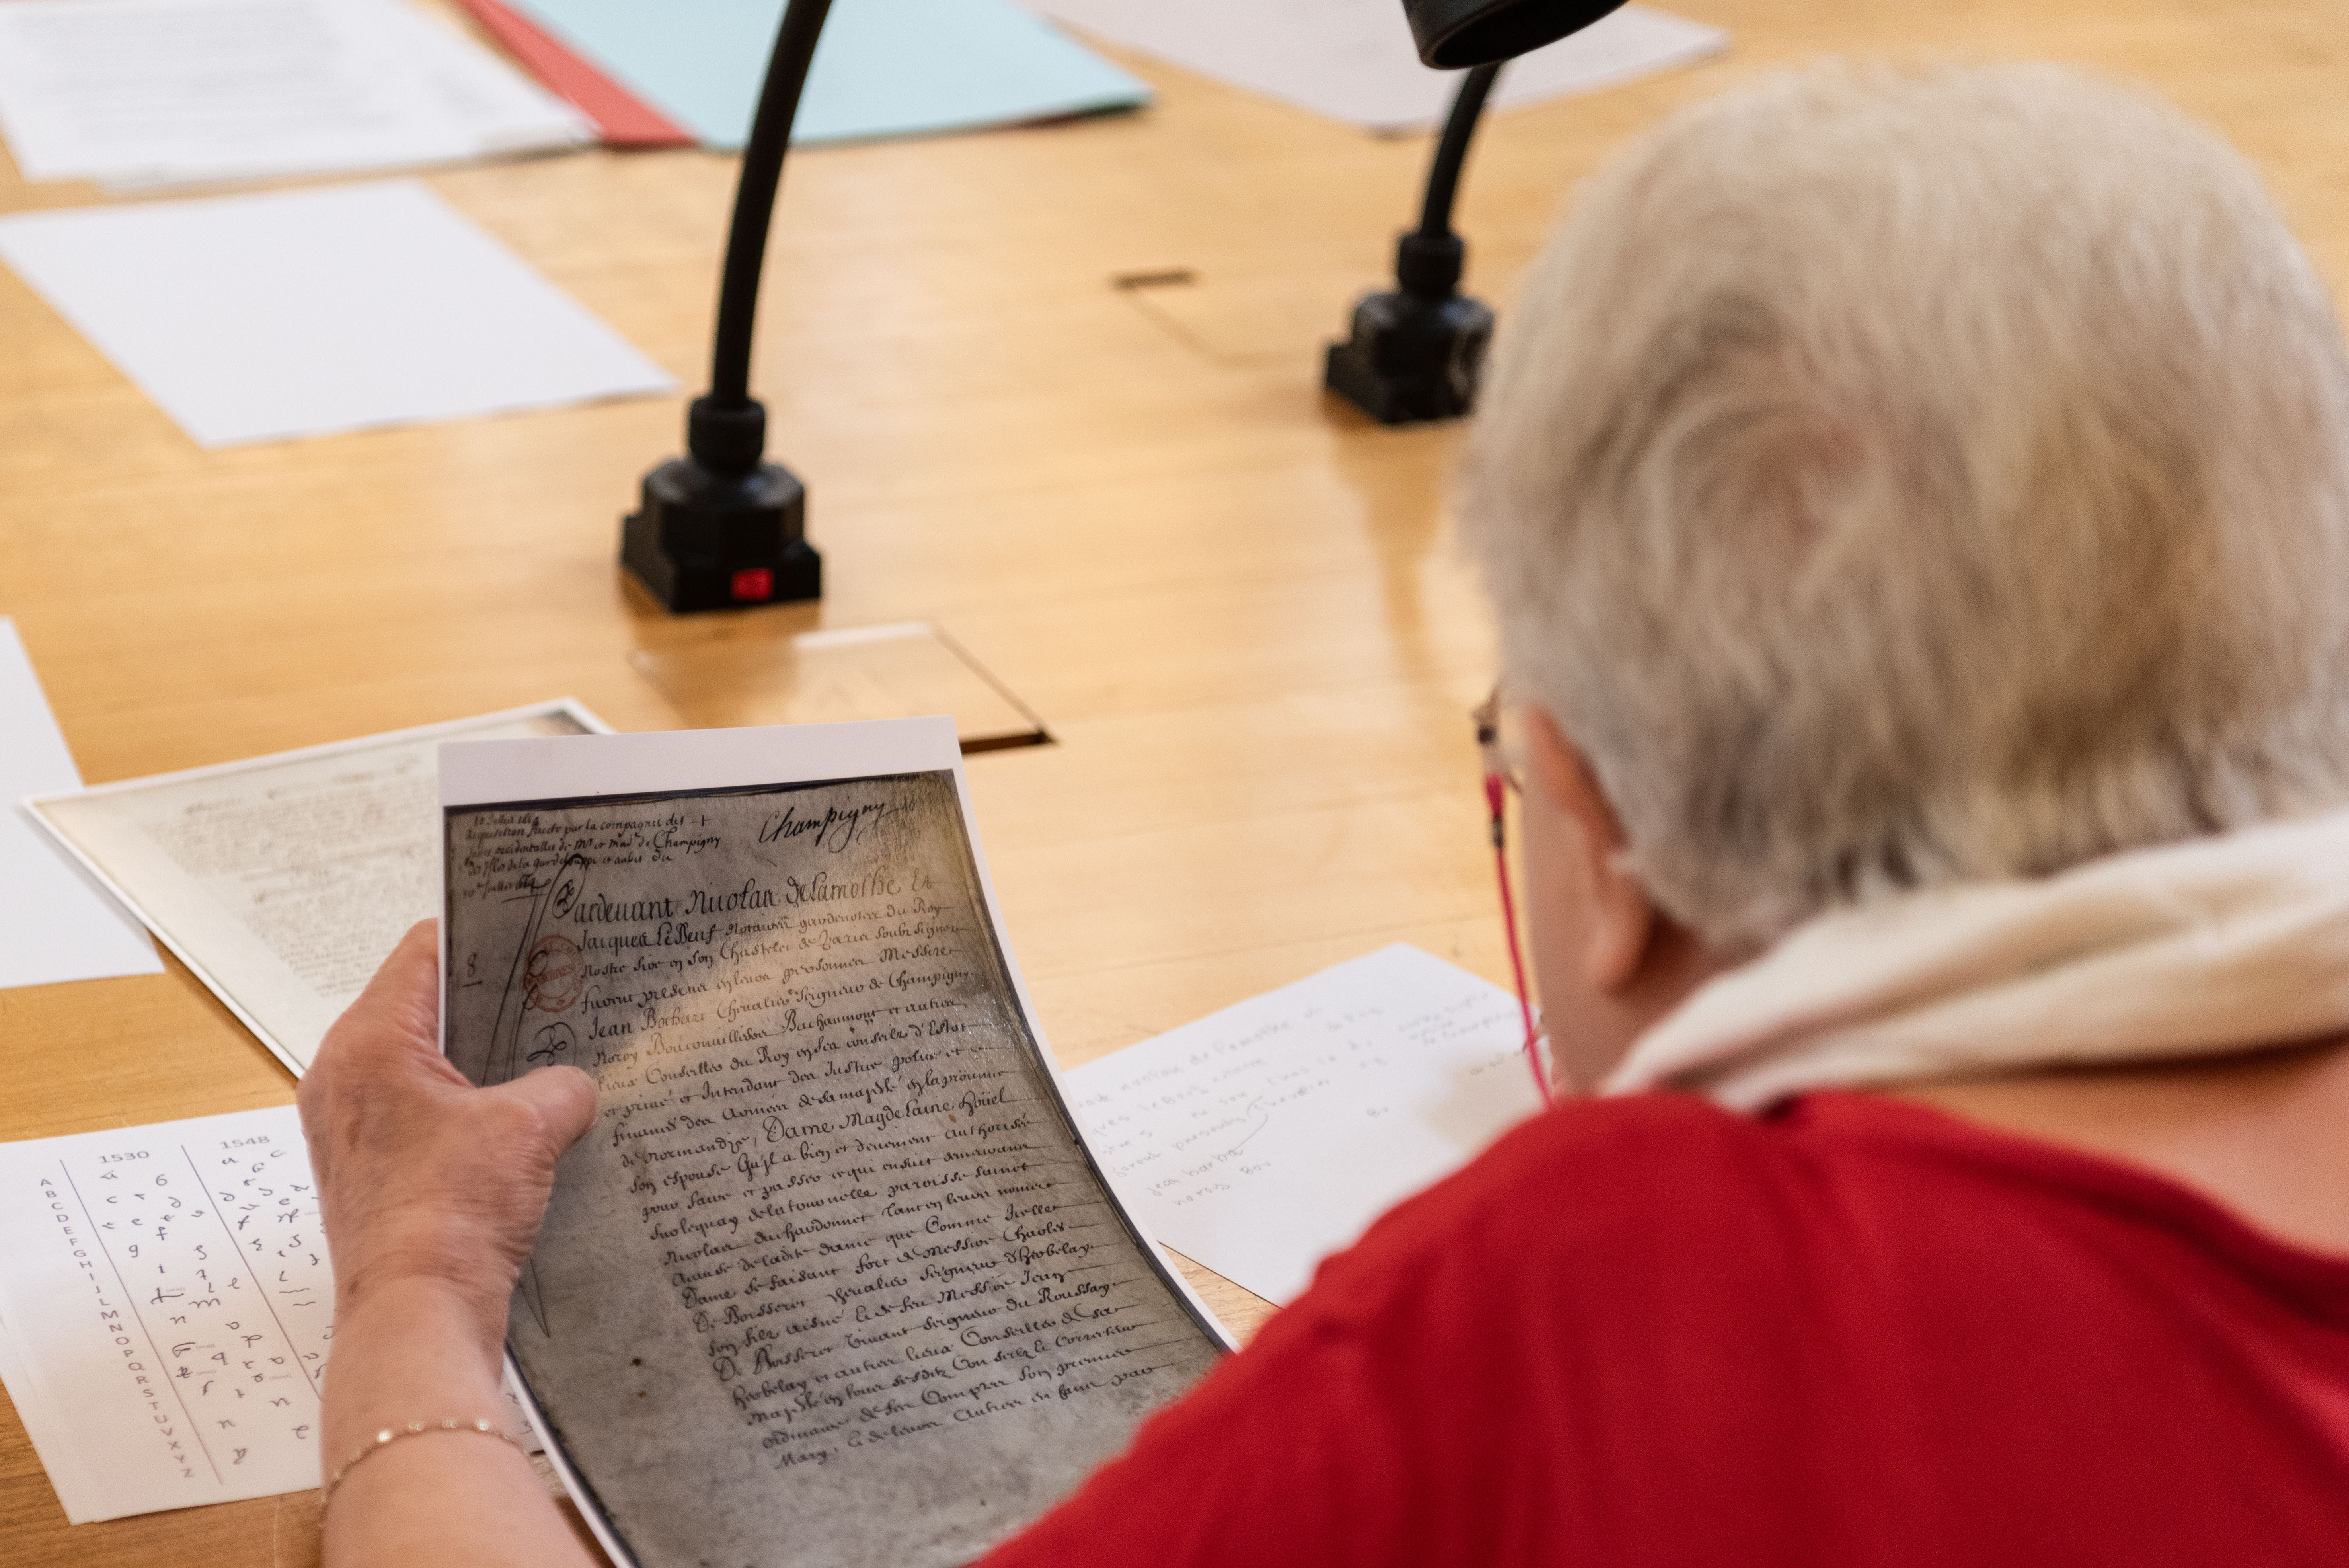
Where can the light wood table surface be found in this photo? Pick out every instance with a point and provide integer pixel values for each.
(1236, 605)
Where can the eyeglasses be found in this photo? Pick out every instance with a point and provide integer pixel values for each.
(1495, 744)
(1501, 776)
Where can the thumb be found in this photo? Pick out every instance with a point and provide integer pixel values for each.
(561, 1100)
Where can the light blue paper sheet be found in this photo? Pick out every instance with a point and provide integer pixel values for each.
(884, 67)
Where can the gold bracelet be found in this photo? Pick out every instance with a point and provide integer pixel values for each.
(387, 1435)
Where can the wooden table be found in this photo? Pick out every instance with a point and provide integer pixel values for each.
(1237, 605)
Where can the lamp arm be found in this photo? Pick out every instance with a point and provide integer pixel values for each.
(1429, 259)
(721, 527)
(754, 199)
(1416, 352)
(1452, 152)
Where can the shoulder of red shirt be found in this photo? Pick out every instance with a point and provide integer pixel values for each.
(1649, 1329)
(1671, 1192)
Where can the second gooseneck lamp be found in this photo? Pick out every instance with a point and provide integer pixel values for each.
(721, 527)
(1416, 351)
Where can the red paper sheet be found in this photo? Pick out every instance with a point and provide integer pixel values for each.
(621, 118)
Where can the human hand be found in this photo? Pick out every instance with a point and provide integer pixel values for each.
(422, 1178)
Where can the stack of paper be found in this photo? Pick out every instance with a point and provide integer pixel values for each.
(1353, 59)
(884, 67)
(620, 118)
(148, 92)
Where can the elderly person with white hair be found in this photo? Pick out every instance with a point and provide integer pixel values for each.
(1917, 511)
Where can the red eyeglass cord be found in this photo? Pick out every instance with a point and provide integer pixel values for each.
(1497, 797)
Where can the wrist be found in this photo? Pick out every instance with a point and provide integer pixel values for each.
(426, 1264)
(411, 1349)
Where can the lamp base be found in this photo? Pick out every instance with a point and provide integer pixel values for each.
(1411, 357)
(702, 539)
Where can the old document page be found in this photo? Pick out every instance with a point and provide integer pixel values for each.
(283, 881)
(833, 1280)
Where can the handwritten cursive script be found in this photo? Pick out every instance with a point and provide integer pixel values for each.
(832, 1279)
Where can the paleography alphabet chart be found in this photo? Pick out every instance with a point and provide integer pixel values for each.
(169, 1285)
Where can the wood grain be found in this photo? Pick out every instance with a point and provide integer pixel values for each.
(1235, 605)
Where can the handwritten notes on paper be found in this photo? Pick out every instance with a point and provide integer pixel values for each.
(1265, 1137)
(168, 1303)
(832, 1279)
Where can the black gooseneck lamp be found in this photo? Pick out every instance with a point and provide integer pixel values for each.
(1415, 351)
(722, 528)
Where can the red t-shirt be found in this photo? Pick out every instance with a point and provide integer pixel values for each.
(1645, 1331)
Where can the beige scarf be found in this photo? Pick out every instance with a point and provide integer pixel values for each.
(2194, 949)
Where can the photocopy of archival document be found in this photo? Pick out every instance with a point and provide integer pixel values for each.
(834, 1279)
(283, 880)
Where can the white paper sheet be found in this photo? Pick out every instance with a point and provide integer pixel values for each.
(1354, 61)
(144, 92)
(1263, 1138)
(283, 880)
(166, 1312)
(299, 313)
(57, 922)
(168, 1302)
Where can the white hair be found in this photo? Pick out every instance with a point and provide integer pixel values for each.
(1890, 479)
